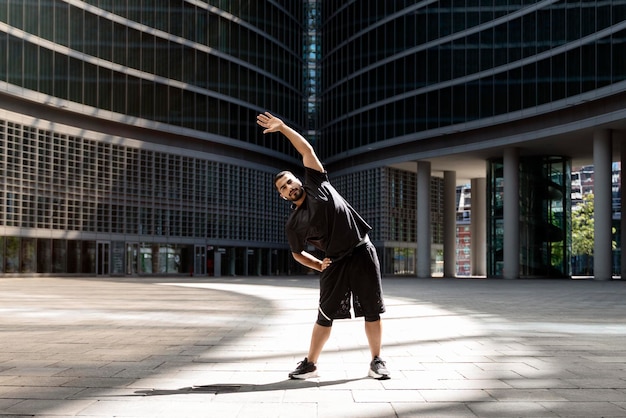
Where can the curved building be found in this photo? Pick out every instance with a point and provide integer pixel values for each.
(506, 95)
(128, 142)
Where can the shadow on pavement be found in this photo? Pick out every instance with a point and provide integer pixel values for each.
(241, 388)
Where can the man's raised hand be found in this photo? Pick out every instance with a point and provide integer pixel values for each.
(269, 122)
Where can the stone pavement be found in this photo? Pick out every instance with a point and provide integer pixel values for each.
(192, 347)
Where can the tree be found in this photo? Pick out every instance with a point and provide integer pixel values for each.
(583, 230)
(582, 227)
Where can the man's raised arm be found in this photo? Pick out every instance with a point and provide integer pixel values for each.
(274, 124)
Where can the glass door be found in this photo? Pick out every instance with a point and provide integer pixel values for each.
(132, 255)
(103, 258)
(200, 261)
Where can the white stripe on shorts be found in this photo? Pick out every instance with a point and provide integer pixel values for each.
(322, 312)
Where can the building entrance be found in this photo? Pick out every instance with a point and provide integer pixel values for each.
(544, 217)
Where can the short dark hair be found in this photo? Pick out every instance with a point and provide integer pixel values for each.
(281, 175)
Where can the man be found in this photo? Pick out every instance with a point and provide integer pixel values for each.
(350, 269)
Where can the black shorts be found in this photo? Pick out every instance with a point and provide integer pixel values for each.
(357, 277)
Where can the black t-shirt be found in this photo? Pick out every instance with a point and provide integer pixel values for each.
(324, 219)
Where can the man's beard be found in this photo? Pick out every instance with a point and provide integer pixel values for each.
(297, 194)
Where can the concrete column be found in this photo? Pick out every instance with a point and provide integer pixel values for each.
(423, 219)
(511, 214)
(602, 172)
(217, 263)
(246, 262)
(232, 267)
(259, 261)
(449, 224)
(621, 137)
(478, 227)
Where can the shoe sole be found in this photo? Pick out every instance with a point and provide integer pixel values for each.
(303, 376)
(377, 376)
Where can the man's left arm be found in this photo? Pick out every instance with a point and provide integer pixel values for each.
(310, 261)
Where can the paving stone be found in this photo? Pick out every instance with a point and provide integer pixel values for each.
(59, 407)
(585, 409)
(432, 410)
(512, 409)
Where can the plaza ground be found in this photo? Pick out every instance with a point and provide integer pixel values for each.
(193, 347)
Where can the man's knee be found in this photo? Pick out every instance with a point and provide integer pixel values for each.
(323, 321)
(372, 317)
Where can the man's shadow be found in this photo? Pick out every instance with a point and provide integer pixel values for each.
(217, 389)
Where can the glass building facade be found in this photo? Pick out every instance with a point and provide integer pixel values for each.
(409, 70)
(128, 142)
(409, 77)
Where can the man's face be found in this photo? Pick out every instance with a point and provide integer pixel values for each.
(289, 187)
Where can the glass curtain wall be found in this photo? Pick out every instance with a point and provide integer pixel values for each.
(545, 217)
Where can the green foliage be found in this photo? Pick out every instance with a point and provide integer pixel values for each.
(582, 227)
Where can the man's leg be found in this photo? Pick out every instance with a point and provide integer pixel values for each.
(374, 333)
(319, 336)
(378, 368)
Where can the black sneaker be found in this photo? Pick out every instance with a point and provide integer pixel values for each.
(304, 370)
(378, 369)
